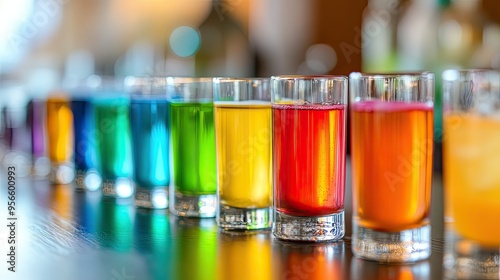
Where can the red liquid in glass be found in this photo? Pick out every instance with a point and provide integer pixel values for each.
(309, 159)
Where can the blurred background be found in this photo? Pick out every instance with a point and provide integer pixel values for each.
(70, 39)
(46, 45)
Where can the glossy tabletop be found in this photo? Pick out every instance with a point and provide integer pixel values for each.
(63, 234)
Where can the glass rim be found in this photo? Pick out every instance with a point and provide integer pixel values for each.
(452, 74)
(181, 89)
(340, 78)
(132, 78)
(187, 80)
(253, 90)
(426, 75)
(93, 83)
(143, 87)
(240, 79)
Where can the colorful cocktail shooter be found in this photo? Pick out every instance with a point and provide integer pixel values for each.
(243, 138)
(392, 146)
(309, 134)
(85, 158)
(149, 123)
(193, 144)
(471, 178)
(60, 138)
(37, 116)
(113, 140)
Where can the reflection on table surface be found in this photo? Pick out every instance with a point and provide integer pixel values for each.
(63, 234)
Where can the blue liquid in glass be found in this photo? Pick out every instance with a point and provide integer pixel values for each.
(84, 134)
(150, 142)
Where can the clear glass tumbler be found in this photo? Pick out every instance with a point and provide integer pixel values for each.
(150, 128)
(193, 193)
(111, 107)
(471, 110)
(59, 123)
(244, 153)
(309, 135)
(391, 155)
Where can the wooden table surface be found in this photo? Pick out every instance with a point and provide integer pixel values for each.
(63, 234)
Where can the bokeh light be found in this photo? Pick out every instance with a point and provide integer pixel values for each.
(321, 58)
(185, 41)
(160, 199)
(93, 180)
(124, 187)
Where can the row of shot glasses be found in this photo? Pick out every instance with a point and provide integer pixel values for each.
(260, 153)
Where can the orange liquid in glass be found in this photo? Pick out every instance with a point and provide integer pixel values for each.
(60, 129)
(471, 177)
(392, 164)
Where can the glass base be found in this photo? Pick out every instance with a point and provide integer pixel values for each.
(80, 180)
(232, 218)
(466, 259)
(41, 167)
(322, 228)
(202, 206)
(20, 160)
(153, 198)
(89, 180)
(121, 187)
(61, 173)
(392, 247)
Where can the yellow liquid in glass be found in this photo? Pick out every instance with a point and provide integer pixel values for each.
(60, 129)
(472, 176)
(243, 139)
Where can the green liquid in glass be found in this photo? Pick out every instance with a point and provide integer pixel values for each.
(114, 150)
(193, 142)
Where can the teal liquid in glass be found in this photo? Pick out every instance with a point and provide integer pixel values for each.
(150, 142)
(113, 145)
(193, 143)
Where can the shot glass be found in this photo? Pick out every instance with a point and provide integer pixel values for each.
(471, 110)
(15, 150)
(38, 129)
(309, 134)
(149, 123)
(60, 137)
(87, 177)
(193, 193)
(391, 153)
(244, 146)
(111, 107)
